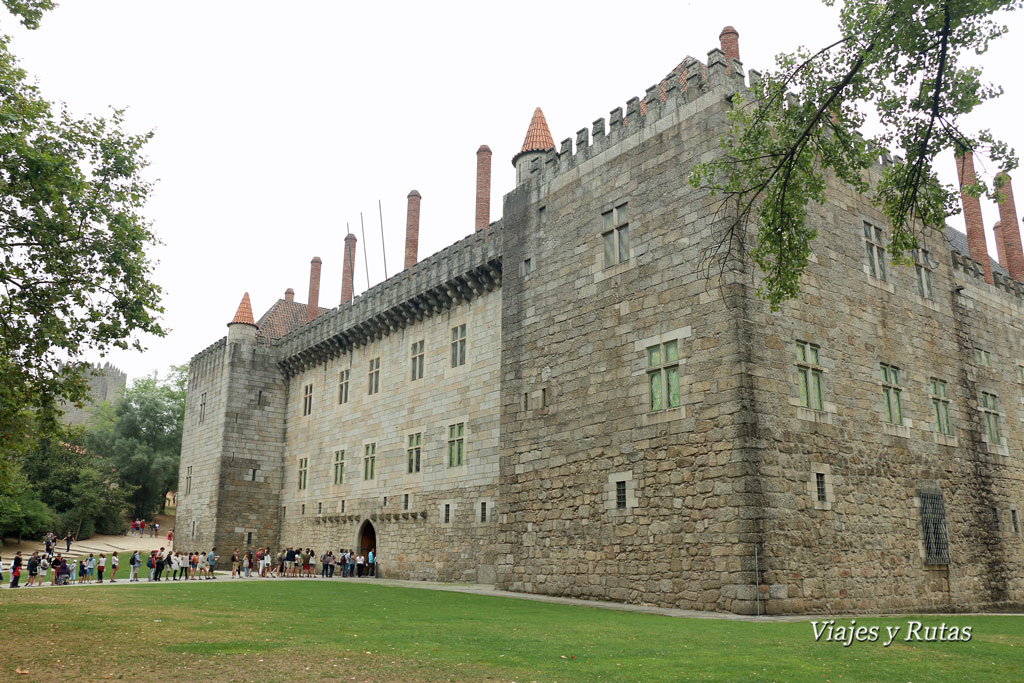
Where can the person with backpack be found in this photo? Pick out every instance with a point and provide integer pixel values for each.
(134, 562)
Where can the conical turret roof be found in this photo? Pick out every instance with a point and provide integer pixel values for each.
(244, 312)
(538, 136)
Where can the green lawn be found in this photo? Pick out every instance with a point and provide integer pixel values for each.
(304, 630)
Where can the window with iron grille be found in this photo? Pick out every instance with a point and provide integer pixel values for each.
(891, 393)
(933, 525)
(990, 410)
(343, 386)
(874, 243)
(819, 478)
(616, 236)
(809, 375)
(620, 495)
(447, 513)
(415, 441)
(922, 264)
(417, 360)
(374, 375)
(405, 502)
(307, 400)
(483, 511)
(995, 519)
(459, 345)
(940, 406)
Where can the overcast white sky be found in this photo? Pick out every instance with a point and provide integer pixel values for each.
(278, 123)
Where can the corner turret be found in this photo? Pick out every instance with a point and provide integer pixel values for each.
(538, 141)
(242, 328)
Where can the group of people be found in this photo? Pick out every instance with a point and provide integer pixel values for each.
(64, 571)
(302, 562)
(139, 526)
(61, 570)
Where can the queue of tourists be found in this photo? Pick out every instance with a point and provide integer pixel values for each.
(302, 562)
(167, 565)
(158, 564)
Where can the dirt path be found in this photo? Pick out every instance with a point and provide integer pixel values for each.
(96, 544)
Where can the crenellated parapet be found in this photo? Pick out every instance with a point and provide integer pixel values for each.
(690, 84)
(973, 269)
(459, 273)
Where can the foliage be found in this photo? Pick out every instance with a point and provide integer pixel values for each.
(25, 515)
(78, 485)
(899, 60)
(74, 275)
(141, 438)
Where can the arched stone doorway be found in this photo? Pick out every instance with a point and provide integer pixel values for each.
(367, 540)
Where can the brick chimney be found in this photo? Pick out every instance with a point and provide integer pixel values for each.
(483, 188)
(412, 229)
(972, 213)
(997, 230)
(313, 302)
(348, 268)
(729, 39)
(289, 294)
(1011, 231)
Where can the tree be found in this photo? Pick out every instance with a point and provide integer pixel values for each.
(898, 60)
(74, 275)
(141, 438)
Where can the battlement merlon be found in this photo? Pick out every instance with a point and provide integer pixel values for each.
(458, 273)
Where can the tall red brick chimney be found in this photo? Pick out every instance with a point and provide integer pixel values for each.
(348, 268)
(483, 188)
(1011, 231)
(972, 213)
(289, 294)
(313, 302)
(729, 39)
(412, 229)
(997, 230)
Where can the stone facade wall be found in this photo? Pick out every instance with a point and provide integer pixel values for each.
(580, 331)
(413, 542)
(202, 442)
(864, 550)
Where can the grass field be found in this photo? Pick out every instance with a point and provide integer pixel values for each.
(306, 630)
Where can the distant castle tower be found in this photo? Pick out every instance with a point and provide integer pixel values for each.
(106, 385)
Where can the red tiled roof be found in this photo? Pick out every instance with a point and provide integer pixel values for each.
(538, 137)
(281, 318)
(244, 312)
